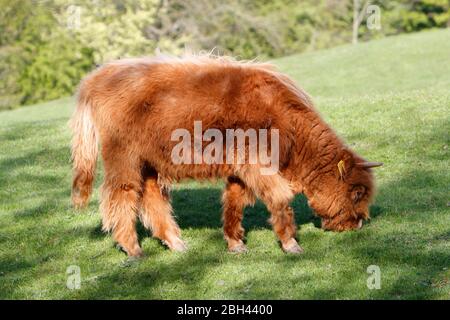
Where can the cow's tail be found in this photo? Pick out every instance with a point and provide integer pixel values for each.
(84, 152)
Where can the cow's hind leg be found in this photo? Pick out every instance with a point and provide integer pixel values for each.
(120, 196)
(156, 211)
(276, 194)
(235, 198)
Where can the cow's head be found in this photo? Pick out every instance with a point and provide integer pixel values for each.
(342, 196)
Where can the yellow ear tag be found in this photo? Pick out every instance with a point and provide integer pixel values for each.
(341, 168)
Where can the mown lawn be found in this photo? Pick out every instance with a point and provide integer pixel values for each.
(389, 99)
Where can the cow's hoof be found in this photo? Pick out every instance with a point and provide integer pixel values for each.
(291, 246)
(239, 248)
(176, 244)
(135, 253)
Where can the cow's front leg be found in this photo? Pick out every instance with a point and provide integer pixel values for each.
(283, 223)
(276, 194)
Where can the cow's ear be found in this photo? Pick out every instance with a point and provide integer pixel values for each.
(345, 164)
(357, 193)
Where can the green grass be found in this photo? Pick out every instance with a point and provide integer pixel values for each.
(389, 99)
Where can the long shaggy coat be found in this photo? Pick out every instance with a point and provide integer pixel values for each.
(131, 107)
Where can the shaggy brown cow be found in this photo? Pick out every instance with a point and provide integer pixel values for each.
(132, 107)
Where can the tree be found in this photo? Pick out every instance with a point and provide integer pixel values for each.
(39, 60)
(47, 46)
(425, 14)
(358, 17)
(112, 29)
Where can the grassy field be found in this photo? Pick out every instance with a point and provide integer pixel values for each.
(389, 99)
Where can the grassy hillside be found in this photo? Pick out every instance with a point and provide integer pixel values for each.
(389, 99)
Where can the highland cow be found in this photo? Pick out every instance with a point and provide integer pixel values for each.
(132, 107)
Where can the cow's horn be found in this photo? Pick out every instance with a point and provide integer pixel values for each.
(367, 165)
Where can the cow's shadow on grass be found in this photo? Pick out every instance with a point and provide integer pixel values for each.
(200, 208)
